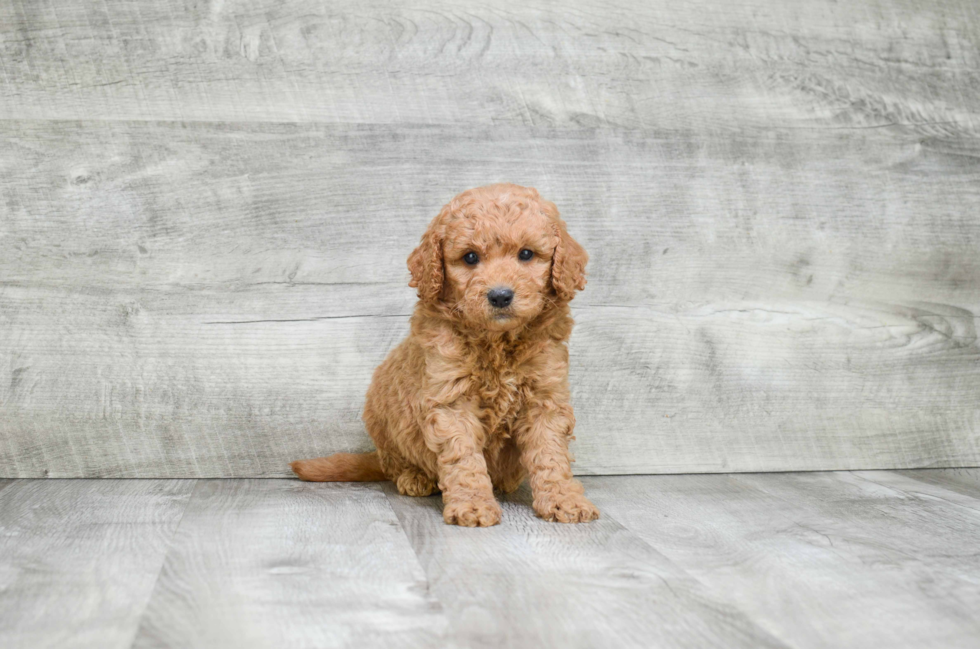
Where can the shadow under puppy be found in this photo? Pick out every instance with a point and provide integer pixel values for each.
(476, 397)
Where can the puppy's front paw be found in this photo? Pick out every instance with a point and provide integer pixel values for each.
(565, 508)
(478, 512)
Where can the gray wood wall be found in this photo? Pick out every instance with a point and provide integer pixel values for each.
(205, 210)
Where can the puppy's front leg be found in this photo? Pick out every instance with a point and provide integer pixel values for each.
(455, 435)
(543, 443)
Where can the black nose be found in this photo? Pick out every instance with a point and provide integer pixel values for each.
(500, 297)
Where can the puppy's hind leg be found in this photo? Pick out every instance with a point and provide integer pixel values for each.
(410, 479)
(413, 481)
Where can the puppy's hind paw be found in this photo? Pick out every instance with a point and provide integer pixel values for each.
(413, 482)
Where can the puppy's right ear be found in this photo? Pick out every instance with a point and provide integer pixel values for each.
(426, 265)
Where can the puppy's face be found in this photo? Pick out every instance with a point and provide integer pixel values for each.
(497, 256)
(498, 269)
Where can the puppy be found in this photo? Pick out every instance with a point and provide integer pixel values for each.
(476, 397)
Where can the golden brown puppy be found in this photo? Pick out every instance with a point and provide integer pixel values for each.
(477, 396)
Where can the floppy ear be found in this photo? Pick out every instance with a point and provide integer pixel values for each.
(567, 264)
(425, 264)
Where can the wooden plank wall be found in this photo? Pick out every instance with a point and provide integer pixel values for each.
(205, 210)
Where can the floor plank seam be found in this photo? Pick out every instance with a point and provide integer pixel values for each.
(387, 490)
(163, 562)
(709, 589)
(842, 547)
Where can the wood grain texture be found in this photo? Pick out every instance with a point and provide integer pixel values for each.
(205, 211)
(210, 300)
(531, 583)
(78, 558)
(957, 492)
(815, 560)
(964, 481)
(819, 560)
(679, 65)
(259, 563)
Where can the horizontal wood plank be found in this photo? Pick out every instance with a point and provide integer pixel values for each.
(203, 300)
(691, 65)
(78, 558)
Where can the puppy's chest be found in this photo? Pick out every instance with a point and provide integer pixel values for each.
(501, 394)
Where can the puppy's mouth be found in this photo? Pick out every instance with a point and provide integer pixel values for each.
(503, 318)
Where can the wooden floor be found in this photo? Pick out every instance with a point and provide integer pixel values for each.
(842, 559)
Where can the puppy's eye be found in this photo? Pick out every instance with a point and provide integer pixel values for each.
(525, 254)
(471, 258)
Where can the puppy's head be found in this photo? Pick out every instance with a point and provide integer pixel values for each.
(496, 257)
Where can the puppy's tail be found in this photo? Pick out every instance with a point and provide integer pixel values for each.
(341, 467)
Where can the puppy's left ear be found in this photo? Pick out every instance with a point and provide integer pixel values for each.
(567, 264)
(426, 265)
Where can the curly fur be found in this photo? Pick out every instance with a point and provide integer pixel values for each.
(476, 398)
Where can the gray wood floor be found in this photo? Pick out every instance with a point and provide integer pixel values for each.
(842, 559)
